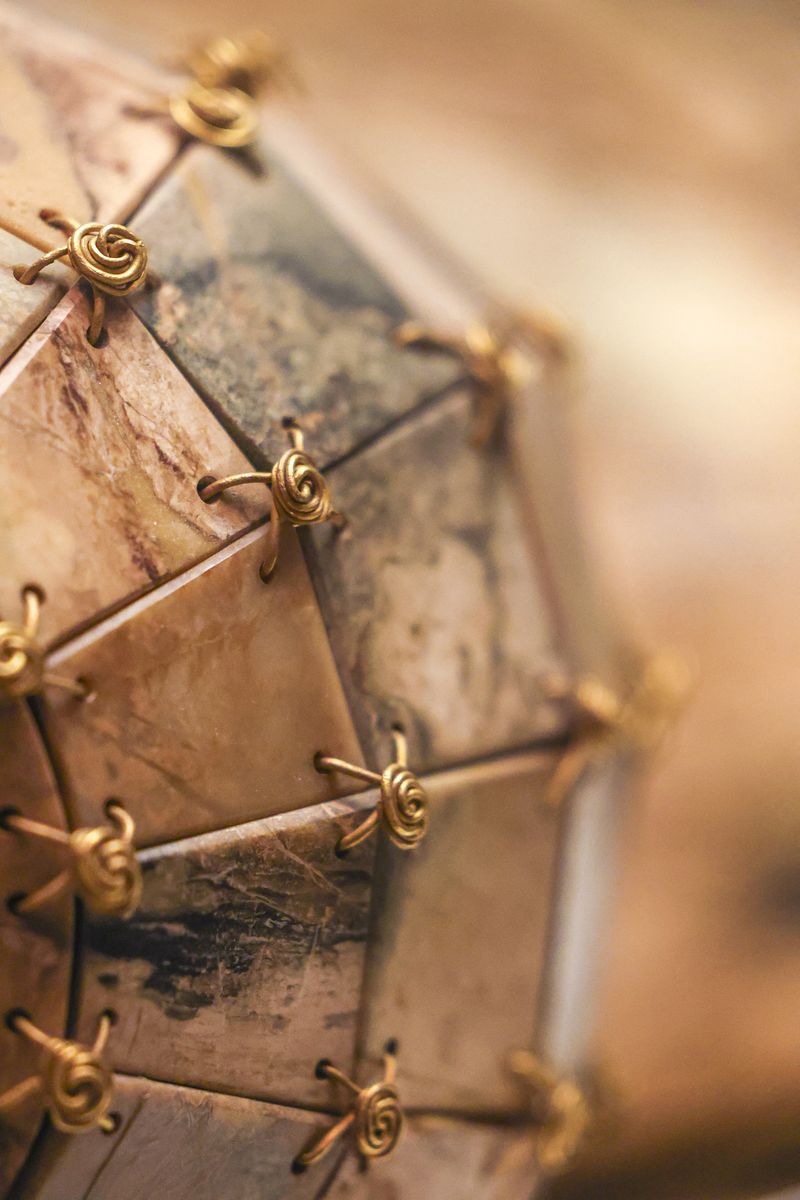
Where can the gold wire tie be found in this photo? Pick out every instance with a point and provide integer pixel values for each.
(496, 368)
(75, 1083)
(104, 870)
(252, 62)
(402, 809)
(375, 1114)
(559, 1107)
(218, 105)
(22, 670)
(111, 259)
(603, 721)
(299, 494)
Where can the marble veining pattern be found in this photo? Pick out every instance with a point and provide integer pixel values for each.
(433, 604)
(211, 702)
(101, 451)
(243, 965)
(271, 312)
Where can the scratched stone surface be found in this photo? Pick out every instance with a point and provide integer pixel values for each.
(459, 935)
(68, 138)
(180, 1143)
(441, 1159)
(101, 451)
(271, 312)
(243, 966)
(212, 697)
(23, 308)
(36, 951)
(435, 610)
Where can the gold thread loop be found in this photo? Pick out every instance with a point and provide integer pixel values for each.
(104, 870)
(76, 1085)
(496, 366)
(299, 494)
(220, 116)
(253, 62)
(22, 667)
(111, 259)
(559, 1107)
(375, 1115)
(402, 810)
(604, 722)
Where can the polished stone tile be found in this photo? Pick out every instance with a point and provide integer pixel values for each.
(23, 308)
(243, 966)
(441, 1159)
(180, 1143)
(36, 952)
(459, 937)
(212, 698)
(435, 610)
(69, 141)
(101, 451)
(271, 312)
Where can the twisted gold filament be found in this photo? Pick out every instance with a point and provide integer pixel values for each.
(560, 1108)
(103, 870)
(375, 1116)
(75, 1084)
(298, 491)
(402, 809)
(22, 669)
(111, 259)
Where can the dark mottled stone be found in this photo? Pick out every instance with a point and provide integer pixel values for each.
(183, 1144)
(434, 607)
(243, 965)
(458, 939)
(270, 310)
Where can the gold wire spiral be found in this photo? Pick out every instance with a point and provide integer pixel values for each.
(404, 806)
(75, 1083)
(493, 360)
(559, 1108)
(22, 669)
(402, 809)
(604, 722)
(104, 870)
(251, 61)
(376, 1116)
(299, 494)
(220, 116)
(111, 259)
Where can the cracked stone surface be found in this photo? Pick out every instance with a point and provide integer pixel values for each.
(271, 312)
(243, 966)
(101, 451)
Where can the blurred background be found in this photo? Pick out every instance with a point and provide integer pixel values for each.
(635, 166)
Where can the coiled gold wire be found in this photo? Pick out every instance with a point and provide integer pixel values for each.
(75, 1083)
(22, 659)
(375, 1116)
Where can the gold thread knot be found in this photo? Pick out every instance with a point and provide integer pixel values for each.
(299, 489)
(220, 116)
(375, 1116)
(107, 873)
(402, 809)
(559, 1108)
(404, 806)
(74, 1082)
